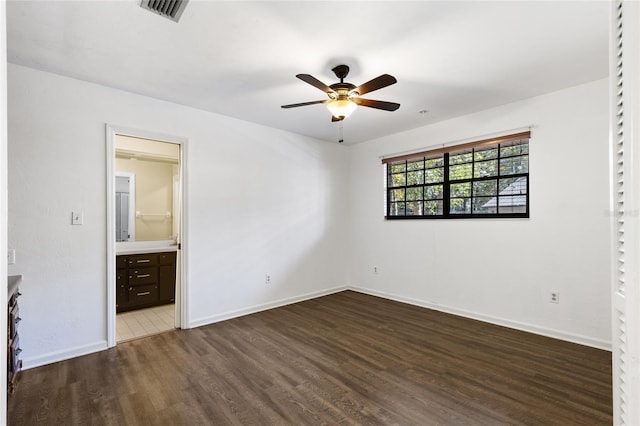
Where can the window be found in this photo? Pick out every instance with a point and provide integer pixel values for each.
(483, 179)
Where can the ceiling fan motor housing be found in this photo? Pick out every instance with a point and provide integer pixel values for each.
(341, 71)
(342, 91)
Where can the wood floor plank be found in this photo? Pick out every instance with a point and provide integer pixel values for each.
(347, 359)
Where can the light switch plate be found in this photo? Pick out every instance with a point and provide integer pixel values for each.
(11, 256)
(77, 218)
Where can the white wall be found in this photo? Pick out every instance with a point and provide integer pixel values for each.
(502, 270)
(153, 194)
(259, 200)
(309, 213)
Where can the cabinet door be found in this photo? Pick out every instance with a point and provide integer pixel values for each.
(167, 258)
(167, 282)
(122, 262)
(13, 362)
(121, 288)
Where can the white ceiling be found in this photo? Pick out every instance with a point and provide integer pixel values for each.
(240, 58)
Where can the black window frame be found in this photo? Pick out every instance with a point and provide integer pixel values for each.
(394, 164)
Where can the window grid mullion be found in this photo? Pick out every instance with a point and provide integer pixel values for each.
(473, 174)
(446, 187)
(406, 183)
(424, 184)
(498, 183)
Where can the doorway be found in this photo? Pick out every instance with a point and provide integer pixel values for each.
(146, 283)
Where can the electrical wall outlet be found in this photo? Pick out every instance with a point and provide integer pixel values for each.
(267, 279)
(375, 270)
(11, 256)
(554, 297)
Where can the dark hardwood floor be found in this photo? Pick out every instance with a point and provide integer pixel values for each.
(346, 358)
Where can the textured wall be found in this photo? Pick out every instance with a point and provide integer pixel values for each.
(258, 200)
(502, 270)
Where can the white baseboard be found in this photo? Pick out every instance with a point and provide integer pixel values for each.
(263, 307)
(63, 355)
(530, 328)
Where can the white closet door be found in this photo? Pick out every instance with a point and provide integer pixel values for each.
(625, 200)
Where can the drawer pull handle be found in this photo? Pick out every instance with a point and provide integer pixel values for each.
(143, 276)
(144, 293)
(143, 261)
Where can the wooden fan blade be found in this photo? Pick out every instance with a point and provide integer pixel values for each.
(303, 104)
(315, 82)
(377, 83)
(334, 119)
(387, 106)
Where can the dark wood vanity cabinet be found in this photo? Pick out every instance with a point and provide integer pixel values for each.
(144, 280)
(14, 363)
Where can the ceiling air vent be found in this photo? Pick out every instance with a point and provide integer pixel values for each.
(171, 9)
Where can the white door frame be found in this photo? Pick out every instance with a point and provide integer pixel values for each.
(182, 299)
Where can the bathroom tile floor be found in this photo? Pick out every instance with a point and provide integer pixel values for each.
(144, 322)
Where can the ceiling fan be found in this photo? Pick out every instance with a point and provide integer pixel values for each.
(345, 97)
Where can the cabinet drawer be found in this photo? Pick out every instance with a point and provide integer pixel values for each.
(139, 276)
(141, 260)
(143, 294)
(168, 258)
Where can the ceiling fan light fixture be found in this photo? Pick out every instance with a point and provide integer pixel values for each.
(341, 108)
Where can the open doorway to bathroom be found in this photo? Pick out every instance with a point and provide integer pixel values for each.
(145, 273)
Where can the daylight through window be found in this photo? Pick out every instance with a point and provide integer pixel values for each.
(483, 179)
